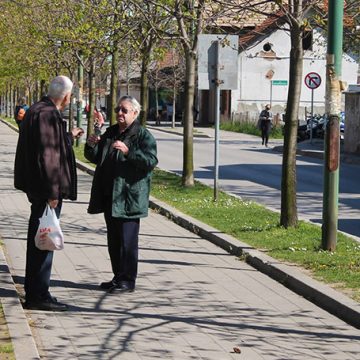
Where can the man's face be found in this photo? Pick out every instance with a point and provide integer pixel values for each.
(125, 114)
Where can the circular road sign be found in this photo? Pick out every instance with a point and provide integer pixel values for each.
(312, 80)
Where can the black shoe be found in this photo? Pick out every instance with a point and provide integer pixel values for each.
(46, 305)
(122, 288)
(109, 284)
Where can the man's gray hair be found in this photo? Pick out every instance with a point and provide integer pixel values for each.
(59, 87)
(134, 103)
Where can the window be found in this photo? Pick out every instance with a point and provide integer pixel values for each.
(267, 47)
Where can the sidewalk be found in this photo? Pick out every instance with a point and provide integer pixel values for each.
(194, 300)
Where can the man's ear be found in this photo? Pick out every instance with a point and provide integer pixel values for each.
(66, 99)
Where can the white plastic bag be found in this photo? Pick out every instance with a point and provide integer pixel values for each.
(49, 235)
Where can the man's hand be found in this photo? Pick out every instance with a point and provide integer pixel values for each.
(77, 132)
(93, 140)
(119, 145)
(53, 203)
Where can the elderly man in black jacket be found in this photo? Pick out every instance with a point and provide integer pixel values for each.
(45, 170)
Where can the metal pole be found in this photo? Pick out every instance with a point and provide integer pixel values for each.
(80, 96)
(332, 134)
(312, 115)
(217, 120)
(271, 88)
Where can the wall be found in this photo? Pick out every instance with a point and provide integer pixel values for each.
(255, 89)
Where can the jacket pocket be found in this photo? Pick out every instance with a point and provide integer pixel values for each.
(136, 199)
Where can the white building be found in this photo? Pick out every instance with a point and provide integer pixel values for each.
(264, 61)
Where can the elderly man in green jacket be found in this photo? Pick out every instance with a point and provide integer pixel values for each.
(125, 156)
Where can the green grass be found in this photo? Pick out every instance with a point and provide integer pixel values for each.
(249, 127)
(6, 349)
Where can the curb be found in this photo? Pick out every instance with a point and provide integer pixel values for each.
(289, 275)
(22, 339)
(176, 132)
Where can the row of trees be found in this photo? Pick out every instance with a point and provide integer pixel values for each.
(41, 38)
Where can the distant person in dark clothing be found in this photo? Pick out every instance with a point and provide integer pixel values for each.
(265, 124)
(45, 170)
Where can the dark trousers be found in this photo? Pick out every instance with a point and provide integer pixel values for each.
(265, 130)
(123, 242)
(38, 262)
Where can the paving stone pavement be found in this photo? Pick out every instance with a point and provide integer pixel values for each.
(193, 300)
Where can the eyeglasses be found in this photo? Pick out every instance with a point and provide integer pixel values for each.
(123, 110)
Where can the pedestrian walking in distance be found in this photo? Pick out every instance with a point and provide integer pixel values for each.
(265, 119)
(45, 170)
(125, 156)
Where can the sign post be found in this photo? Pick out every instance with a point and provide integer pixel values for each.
(217, 70)
(312, 81)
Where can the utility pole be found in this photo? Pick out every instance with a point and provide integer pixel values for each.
(332, 133)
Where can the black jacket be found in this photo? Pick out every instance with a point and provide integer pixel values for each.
(45, 165)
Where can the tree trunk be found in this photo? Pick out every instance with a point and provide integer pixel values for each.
(14, 100)
(92, 97)
(29, 98)
(42, 88)
(144, 94)
(157, 115)
(288, 216)
(8, 101)
(188, 161)
(173, 105)
(113, 85)
(36, 93)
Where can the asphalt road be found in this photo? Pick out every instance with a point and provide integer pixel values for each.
(250, 170)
